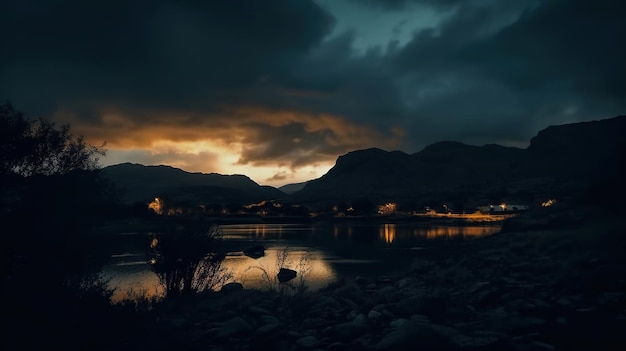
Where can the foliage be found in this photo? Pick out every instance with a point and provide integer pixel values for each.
(187, 258)
(51, 195)
(31, 147)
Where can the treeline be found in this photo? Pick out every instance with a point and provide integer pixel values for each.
(51, 199)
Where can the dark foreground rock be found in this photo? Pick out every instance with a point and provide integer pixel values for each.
(557, 289)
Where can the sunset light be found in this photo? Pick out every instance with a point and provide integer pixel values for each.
(271, 147)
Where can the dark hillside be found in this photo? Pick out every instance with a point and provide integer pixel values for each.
(143, 183)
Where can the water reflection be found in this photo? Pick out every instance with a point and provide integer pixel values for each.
(321, 254)
(388, 232)
(132, 281)
(312, 267)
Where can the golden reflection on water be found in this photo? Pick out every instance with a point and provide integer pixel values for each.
(133, 285)
(254, 273)
(453, 232)
(259, 273)
(387, 233)
(135, 279)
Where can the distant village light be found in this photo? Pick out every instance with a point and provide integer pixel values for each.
(387, 209)
(548, 203)
(156, 205)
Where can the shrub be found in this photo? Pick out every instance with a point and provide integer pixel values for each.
(188, 259)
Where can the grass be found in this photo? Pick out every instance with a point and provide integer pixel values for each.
(270, 279)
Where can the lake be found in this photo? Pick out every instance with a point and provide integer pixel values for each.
(321, 253)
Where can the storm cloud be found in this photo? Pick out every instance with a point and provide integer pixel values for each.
(289, 85)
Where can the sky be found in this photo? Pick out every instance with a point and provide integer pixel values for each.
(278, 89)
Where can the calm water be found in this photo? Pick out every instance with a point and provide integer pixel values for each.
(320, 253)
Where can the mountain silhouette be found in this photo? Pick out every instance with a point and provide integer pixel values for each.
(564, 161)
(561, 161)
(144, 183)
(292, 188)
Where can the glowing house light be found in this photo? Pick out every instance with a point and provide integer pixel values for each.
(156, 205)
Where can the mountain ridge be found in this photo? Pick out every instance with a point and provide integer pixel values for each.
(560, 160)
(141, 183)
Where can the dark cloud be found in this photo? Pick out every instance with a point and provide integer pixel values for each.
(576, 43)
(499, 72)
(147, 52)
(297, 144)
(404, 4)
(289, 144)
(273, 77)
(280, 176)
(333, 80)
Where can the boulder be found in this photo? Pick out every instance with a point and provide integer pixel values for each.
(308, 342)
(230, 287)
(233, 327)
(417, 335)
(286, 274)
(255, 251)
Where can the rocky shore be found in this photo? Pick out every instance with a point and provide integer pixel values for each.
(547, 288)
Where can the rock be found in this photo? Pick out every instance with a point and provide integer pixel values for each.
(525, 344)
(420, 318)
(176, 323)
(520, 306)
(408, 306)
(308, 342)
(379, 307)
(360, 280)
(384, 281)
(515, 325)
(390, 292)
(360, 319)
(268, 319)
(281, 345)
(417, 335)
(564, 301)
(542, 346)
(478, 286)
(347, 331)
(233, 327)
(230, 287)
(337, 346)
(487, 295)
(259, 310)
(352, 315)
(255, 251)
(314, 323)
(407, 283)
(481, 340)
(374, 315)
(397, 323)
(286, 274)
(269, 329)
(362, 343)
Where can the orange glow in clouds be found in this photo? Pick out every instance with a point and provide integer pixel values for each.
(248, 141)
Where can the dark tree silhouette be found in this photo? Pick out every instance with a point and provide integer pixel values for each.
(50, 199)
(40, 147)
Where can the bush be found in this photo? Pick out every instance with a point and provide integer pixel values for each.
(188, 259)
